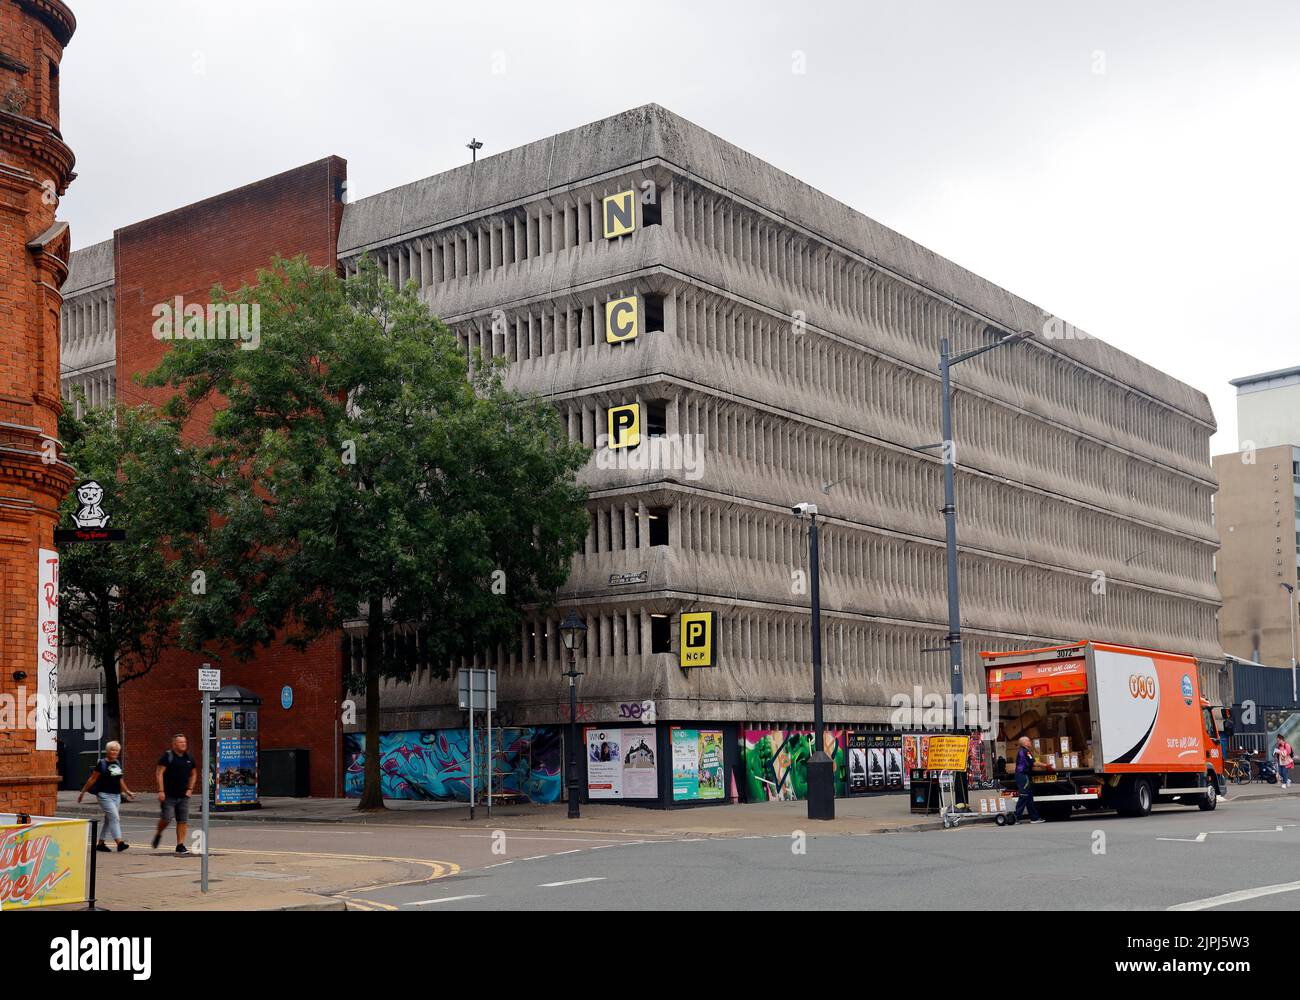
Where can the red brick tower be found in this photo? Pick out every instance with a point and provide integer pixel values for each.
(35, 169)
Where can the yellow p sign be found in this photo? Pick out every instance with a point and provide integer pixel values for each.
(620, 320)
(619, 213)
(625, 426)
(695, 641)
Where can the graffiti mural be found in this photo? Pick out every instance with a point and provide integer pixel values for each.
(433, 764)
(776, 762)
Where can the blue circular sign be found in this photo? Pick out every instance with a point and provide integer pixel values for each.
(286, 697)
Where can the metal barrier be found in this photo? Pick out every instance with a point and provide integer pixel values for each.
(1250, 742)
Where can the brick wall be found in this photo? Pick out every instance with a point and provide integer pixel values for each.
(225, 240)
(35, 169)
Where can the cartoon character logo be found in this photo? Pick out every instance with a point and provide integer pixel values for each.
(1187, 688)
(90, 515)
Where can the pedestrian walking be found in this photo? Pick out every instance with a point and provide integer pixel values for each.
(175, 776)
(108, 781)
(1285, 760)
(1024, 766)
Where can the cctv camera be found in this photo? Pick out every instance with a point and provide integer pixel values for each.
(802, 509)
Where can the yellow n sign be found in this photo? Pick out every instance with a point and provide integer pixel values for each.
(625, 425)
(619, 213)
(695, 639)
(620, 320)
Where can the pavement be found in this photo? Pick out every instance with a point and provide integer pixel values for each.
(323, 854)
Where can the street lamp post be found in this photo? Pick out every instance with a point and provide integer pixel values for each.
(821, 769)
(946, 363)
(573, 632)
(1291, 613)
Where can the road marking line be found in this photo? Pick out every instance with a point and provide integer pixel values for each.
(572, 881)
(444, 899)
(576, 850)
(370, 904)
(535, 857)
(1240, 896)
(1200, 837)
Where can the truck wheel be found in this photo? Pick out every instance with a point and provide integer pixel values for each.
(1136, 798)
(1211, 797)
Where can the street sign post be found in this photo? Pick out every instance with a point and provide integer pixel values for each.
(477, 691)
(209, 682)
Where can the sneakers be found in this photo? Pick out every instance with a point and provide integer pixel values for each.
(101, 846)
(122, 847)
(182, 849)
(157, 839)
(1040, 820)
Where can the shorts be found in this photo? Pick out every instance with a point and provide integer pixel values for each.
(176, 809)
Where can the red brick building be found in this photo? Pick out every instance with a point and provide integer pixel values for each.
(35, 169)
(222, 240)
(226, 240)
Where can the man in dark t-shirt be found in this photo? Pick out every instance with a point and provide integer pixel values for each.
(175, 776)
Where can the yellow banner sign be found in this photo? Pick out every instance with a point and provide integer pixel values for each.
(44, 863)
(620, 320)
(619, 211)
(695, 643)
(946, 753)
(625, 425)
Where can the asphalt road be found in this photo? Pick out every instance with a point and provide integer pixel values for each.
(1242, 856)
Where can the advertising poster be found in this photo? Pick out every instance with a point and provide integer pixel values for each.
(875, 762)
(640, 773)
(858, 745)
(604, 763)
(712, 773)
(686, 764)
(236, 771)
(47, 650)
(43, 863)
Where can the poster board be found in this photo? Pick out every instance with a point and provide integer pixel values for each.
(699, 772)
(621, 763)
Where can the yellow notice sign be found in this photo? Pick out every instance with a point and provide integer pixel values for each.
(44, 864)
(625, 425)
(946, 753)
(621, 320)
(695, 640)
(619, 213)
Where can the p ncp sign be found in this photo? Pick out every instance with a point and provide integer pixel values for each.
(695, 641)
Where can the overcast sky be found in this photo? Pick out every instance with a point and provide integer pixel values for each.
(1130, 167)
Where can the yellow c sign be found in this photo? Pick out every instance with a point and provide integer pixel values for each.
(621, 320)
(619, 213)
(695, 639)
(625, 425)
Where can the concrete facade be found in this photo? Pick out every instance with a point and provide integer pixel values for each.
(799, 344)
(1257, 512)
(790, 356)
(1268, 409)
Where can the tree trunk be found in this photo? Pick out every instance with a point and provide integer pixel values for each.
(112, 707)
(372, 794)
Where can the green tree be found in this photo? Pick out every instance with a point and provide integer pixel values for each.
(393, 479)
(120, 601)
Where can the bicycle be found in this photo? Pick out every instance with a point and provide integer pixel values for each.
(1237, 770)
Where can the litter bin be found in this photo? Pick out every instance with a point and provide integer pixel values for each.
(232, 749)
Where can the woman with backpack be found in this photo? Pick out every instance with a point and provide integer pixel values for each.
(109, 782)
(1285, 761)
